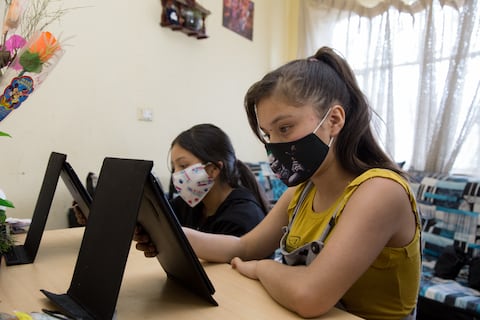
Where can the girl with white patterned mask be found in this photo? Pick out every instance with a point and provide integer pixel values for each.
(216, 192)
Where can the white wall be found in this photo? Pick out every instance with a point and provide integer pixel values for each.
(120, 60)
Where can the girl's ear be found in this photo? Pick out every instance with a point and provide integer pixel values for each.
(336, 119)
(213, 170)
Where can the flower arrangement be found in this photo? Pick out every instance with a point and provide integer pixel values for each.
(28, 53)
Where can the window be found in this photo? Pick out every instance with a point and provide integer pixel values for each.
(392, 60)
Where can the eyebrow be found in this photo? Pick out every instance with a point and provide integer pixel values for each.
(276, 120)
(179, 159)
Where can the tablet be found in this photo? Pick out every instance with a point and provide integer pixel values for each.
(75, 187)
(175, 254)
(127, 193)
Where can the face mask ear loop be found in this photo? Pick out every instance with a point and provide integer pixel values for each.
(322, 121)
(331, 141)
(169, 163)
(259, 130)
(205, 165)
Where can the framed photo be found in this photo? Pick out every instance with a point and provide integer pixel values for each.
(238, 17)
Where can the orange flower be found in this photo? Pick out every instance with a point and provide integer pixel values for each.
(39, 52)
(45, 46)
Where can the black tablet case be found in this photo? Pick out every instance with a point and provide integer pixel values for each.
(78, 191)
(119, 200)
(26, 253)
(57, 167)
(175, 254)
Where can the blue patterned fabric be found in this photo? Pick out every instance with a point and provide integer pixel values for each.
(454, 293)
(449, 207)
(272, 186)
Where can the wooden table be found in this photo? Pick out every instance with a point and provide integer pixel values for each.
(145, 291)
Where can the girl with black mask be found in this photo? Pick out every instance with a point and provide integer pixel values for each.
(348, 226)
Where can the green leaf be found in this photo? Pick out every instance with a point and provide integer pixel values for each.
(4, 134)
(31, 62)
(6, 203)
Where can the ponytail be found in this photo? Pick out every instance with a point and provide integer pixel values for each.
(356, 145)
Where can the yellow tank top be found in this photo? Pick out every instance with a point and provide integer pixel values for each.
(389, 287)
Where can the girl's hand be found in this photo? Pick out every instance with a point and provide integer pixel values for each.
(79, 216)
(144, 243)
(246, 268)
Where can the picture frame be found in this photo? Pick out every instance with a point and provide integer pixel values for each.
(238, 17)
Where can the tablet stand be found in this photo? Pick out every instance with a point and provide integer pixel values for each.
(106, 242)
(26, 253)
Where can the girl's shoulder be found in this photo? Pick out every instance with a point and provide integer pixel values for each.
(380, 173)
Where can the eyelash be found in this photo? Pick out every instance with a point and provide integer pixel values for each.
(281, 129)
(178, 167)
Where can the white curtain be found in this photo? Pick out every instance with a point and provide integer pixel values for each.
(419, 64)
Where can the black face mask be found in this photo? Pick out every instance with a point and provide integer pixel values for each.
(295, 162)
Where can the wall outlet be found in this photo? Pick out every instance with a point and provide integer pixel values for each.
(145, 114)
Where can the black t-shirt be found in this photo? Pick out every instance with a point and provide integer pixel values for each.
(238, 214)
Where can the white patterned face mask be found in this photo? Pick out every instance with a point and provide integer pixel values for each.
(192, 183)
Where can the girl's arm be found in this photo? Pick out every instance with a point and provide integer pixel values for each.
(260, 242)
(368, 223)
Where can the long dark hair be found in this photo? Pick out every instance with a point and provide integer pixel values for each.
(211, 144)
(323, 80)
